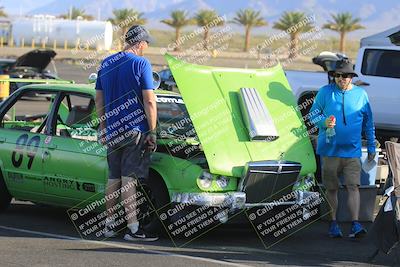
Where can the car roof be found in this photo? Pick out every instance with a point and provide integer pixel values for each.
(73, 87)
(7, 60)
(81, 88)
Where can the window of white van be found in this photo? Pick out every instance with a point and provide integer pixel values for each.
(385, 63)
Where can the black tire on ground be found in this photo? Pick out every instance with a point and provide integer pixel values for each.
(306, 100)
(156, 193)
(5, 197)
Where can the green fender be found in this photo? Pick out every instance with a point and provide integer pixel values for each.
(179, 175)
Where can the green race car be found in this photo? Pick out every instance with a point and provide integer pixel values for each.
(234, 139)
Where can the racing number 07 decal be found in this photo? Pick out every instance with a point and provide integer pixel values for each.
(31, 146)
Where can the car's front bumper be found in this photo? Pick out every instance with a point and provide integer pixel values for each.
(231, 200)
(237, 200)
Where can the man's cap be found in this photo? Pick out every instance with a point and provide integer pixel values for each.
(136, 34)
(343, 66)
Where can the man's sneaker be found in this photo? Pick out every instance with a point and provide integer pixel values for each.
(357, 230)
(334, 230)
(108, 232)
(139, 235)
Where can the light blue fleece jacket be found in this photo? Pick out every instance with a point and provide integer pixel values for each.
(353, 115)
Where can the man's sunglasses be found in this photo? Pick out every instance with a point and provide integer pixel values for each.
(343, 75)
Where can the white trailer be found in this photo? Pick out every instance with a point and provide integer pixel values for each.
(48, 29)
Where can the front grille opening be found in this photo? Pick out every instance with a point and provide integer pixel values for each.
(270, 180)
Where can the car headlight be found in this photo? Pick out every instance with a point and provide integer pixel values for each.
(222, 181)
(205, 180)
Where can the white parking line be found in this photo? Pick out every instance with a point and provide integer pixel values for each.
(112, 244)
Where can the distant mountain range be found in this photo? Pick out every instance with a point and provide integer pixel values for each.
(375, 15)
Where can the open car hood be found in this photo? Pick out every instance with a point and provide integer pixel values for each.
(38, 58)
(212, 96)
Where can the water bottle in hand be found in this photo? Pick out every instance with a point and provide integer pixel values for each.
(330, 132)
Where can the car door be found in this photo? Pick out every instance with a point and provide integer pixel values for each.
(379, 70)
(75, 163)
(22, 137)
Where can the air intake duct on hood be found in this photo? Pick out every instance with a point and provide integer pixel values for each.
(256, 116)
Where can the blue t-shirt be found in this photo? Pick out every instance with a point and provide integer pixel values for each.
(122, 77)
(353, 115)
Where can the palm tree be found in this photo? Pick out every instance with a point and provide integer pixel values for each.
(207, 19)
(126, 17)
(75, 13)
(343, 23)
(2, 12)
(249, 18)
(294, 23)
(179, 19)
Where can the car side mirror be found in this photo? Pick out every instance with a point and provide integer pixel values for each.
(361, 83)
(156, 80)
(92, 78)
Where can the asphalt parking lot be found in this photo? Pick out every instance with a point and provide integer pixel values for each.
(73, 71)
(36, 235)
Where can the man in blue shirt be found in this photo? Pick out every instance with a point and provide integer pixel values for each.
(342, 112)
(126, 107)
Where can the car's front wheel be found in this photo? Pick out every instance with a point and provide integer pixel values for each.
(157, 202)
(5, 197)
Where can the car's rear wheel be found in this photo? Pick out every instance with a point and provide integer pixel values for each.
(5, 197)
(157, 197)
(306, 101)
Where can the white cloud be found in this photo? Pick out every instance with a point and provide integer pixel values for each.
(367, 10)
(264, 8)
(385, 21)
(311, 7)
(309, 3)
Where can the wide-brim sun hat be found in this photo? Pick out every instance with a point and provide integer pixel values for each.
(343, 67)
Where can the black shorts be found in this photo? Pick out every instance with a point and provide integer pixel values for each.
(129, 158)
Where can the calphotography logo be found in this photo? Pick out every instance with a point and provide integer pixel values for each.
(304, 40)
(276, 220)
(185, 222)
(90, 218)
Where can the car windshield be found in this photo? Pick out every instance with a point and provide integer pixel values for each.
(173, 118)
